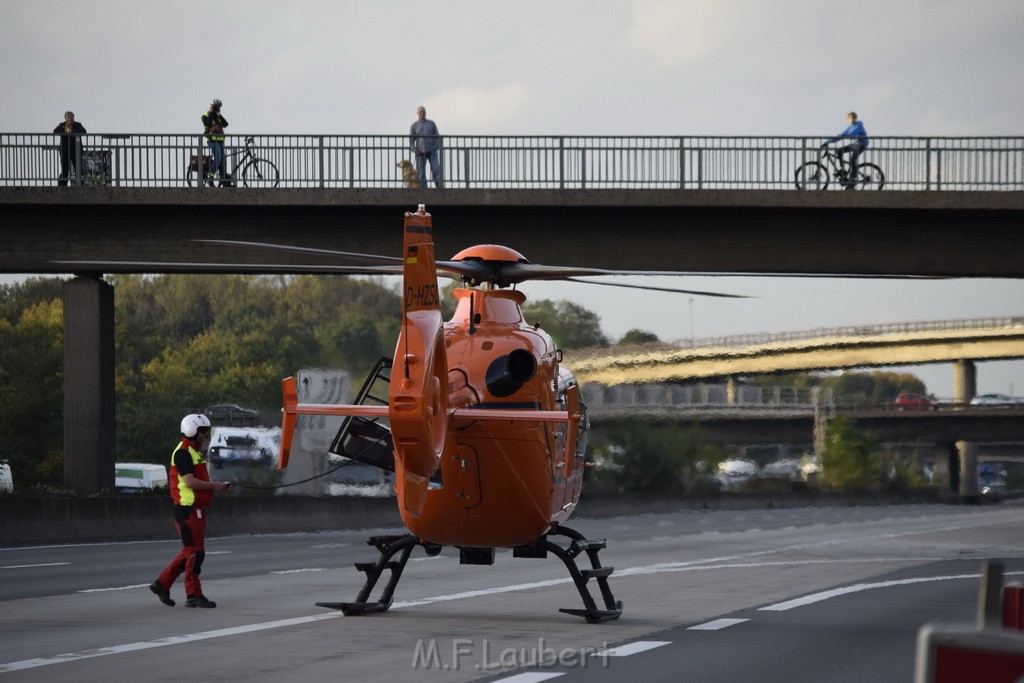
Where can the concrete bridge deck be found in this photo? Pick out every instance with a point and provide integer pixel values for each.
(964, 233)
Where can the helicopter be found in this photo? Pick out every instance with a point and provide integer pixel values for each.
(487, 431)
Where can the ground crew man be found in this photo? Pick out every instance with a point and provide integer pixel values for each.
(191, 491)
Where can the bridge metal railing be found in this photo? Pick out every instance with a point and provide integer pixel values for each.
(873, 330)
(522, 162)
(648, 398)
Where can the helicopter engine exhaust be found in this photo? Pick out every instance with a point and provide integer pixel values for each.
(507, 373)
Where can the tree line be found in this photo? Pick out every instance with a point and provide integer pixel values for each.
(184, 342)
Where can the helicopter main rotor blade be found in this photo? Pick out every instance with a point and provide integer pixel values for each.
(224, 268)
(304, 250)
(652, 288)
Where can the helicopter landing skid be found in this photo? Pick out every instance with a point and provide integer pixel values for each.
(389, 546)
(402, 546)
(578, 544)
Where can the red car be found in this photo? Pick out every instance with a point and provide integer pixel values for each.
(913, 402)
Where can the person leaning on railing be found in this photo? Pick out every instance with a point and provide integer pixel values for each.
(70, 132)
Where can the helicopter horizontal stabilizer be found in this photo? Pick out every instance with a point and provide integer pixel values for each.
(292, 409)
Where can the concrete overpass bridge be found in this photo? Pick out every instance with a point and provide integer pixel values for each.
(950, 207)
(752, 414)
(960, 342)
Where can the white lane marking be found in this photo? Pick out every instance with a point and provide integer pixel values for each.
(631, 648)
(32, 566)
(529, 677)
(857, 587)
(716, 625)
(162, 642)
(117, 588)
(299, 571)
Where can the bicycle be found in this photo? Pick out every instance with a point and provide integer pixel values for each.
(816, 175)
(254, 171)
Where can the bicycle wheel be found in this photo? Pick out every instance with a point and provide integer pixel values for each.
(869, 177)
(811, 176)
(260, 173)
(190, 177)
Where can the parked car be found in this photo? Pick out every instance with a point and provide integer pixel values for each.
(914, 402)
(229, 411)
(732, 473)
(996, 400)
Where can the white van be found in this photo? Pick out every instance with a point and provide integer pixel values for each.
(135, 477)
(6, 479)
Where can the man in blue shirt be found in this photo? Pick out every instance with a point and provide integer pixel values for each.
(425, 143)
(859, 143)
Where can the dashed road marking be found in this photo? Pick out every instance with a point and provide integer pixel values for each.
(716, 625)
(631, 648)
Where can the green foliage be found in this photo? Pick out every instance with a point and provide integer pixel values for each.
(638, 456)
(571, 326)
(850, 462)
(845, 460)
(32, 392)
(636, 336)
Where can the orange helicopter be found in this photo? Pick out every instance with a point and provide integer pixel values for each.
(487, 433)
(487, 430)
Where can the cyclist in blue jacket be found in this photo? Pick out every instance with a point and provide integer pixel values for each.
(859, 143)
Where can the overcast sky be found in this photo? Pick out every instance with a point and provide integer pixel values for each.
(658, 67)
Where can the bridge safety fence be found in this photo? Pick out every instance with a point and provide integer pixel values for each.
(513, 162)
(874, 330)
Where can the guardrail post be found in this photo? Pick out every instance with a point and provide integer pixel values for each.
(583, 168)
(682, 164)
(351, 166)
(700, 169)
(938, 169)
(78, 142)
(561, 163)
(200, 180)
(322, 173)
(465, 167)
(928, 164)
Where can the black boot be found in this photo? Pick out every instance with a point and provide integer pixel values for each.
(199, 601)
(162, 593)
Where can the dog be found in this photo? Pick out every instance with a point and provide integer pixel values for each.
(409, 175)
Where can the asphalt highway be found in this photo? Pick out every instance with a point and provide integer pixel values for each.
(803, 594)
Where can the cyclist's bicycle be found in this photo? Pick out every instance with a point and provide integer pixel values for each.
(253, 171)
(816, 175)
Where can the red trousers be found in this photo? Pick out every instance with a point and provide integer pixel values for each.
(191, 525)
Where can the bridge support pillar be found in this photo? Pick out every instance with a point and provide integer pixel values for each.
(88, 385)
(944, 459)
(965, 387)
(731, 390)
(965, 381)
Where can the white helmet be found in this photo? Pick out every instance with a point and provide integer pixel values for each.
(191, 423)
